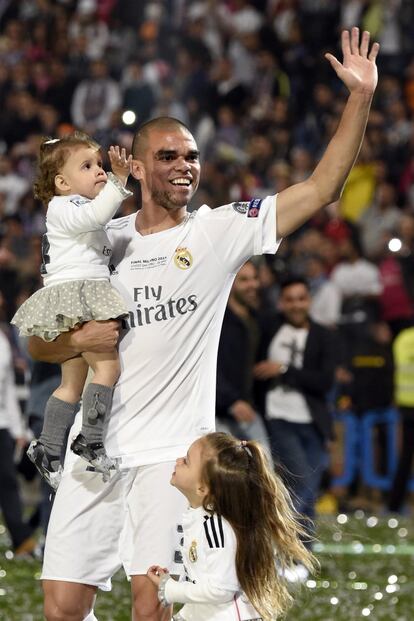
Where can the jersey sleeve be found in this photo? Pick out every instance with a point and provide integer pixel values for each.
(218, 582)
(76, 214)
(240, 230)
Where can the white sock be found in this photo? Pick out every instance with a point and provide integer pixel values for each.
(90, 617)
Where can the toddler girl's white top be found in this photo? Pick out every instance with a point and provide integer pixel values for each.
(76, 246)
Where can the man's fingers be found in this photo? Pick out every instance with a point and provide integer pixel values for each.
(346, 46)
(365, 43)
(355, 41)
(336, 65)
(374, 51)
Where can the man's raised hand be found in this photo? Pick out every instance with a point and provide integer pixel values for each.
(358, 71)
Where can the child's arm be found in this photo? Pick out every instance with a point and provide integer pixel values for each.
(170, 591)
(216, 580)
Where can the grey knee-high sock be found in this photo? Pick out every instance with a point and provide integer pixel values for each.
(59, 416)
(96, 406)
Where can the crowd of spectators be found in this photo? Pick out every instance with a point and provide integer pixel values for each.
(250, 79)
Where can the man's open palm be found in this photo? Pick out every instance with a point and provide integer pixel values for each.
(358, 71)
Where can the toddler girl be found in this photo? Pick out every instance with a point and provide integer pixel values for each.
(81, 198)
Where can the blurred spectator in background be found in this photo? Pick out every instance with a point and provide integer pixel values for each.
(365, 383)
(168, 103)
(358, 282)
(12, 186)
(404, 399)
(360, 187)
(87, 23)
(326, 299)
(95, 99)
(296, 372)
(9, 284)
(138, 94)
(370, 383)
(239, 341)
(61, 84)
(22, 118)
(379, 220)
(12, 435)
(396, 268)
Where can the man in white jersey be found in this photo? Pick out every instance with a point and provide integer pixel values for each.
(175, 270)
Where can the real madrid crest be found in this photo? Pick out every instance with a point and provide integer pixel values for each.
(192, 553)
(183, 258)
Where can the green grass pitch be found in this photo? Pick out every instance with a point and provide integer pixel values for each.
(367, 572)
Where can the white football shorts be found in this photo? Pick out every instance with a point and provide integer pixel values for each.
(96, 527)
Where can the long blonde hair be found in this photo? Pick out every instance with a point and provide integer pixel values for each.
(245, 490)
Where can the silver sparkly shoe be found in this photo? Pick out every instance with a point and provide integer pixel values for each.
(48, 465)
(94, 453)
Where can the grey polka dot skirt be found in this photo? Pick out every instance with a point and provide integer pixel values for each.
(59, 308)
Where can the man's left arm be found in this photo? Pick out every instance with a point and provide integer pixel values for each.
(358, 72)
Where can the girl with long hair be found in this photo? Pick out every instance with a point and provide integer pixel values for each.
(240, 533)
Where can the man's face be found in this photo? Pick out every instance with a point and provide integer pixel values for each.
(171, 167)
(246, 286)
(294, 303)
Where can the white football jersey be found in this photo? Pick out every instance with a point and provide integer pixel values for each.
(211, 590)
(176, 284)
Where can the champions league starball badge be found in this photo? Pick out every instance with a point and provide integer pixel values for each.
(192, 553)
(241, 207)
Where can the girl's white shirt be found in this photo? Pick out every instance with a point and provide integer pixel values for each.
(211, 590)
(76, 246)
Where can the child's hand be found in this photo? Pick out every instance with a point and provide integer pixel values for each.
(155, 573)
(120, 163)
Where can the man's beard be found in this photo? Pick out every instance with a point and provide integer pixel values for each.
(250, 302)
(163, 198)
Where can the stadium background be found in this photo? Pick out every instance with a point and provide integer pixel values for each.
(251, 81)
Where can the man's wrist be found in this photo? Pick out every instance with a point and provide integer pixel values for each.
(366, 95)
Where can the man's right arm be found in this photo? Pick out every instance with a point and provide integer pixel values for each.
(93, 336)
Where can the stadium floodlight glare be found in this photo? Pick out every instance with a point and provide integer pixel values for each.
(394, 244)
(129, 117)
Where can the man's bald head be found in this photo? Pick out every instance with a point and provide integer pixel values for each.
(161, 123)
